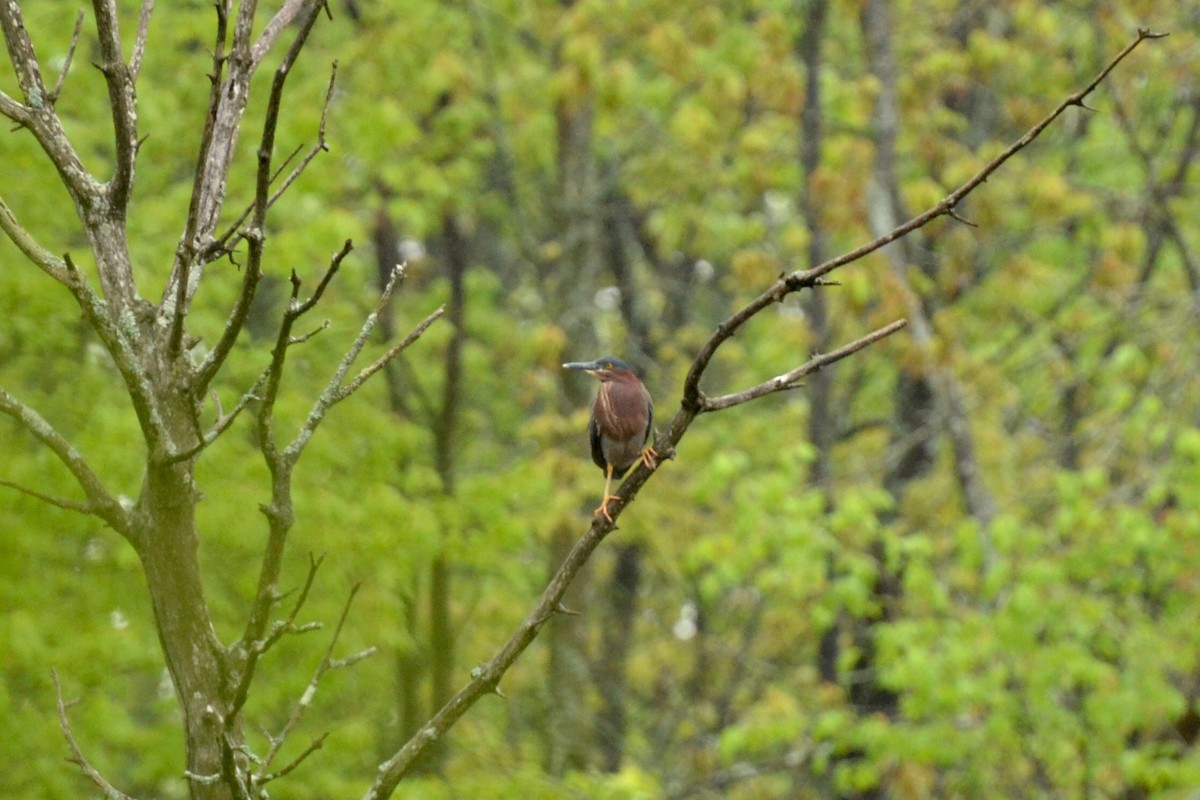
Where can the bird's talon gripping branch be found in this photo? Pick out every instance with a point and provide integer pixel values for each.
(621, 425)
(650, 458)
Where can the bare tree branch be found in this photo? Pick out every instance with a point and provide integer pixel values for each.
(175, 294)
(227, 107)
(139, 44)
(284, 17)
(255, 649)
(256, 235)
(37, 113)
(99, 501)
(106, 788)
(791, 380)
(337, 390)
(326, 664)
(95, 310)
(350, 388)
(486, 677)
(227, 241)
(806, 278)
(122, 102)
(62, 76)
(222, 423)
(61, 502)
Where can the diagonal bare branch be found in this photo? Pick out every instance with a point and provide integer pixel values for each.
(99, 500)
(486, 678)
(62, 76)
(807, 278)
(106, 788)
(60, 502)
(792, 379)
(338, 389)
(37, 112)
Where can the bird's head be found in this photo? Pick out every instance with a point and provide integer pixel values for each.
(604, 369)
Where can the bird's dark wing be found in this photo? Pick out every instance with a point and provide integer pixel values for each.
(597, 448)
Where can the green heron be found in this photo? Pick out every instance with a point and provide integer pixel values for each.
(622, 422)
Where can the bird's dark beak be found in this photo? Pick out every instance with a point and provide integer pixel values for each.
(585, 366)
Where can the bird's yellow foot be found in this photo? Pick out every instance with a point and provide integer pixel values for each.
(650, 457)
(603, 509)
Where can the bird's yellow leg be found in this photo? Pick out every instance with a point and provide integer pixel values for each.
(650, 457)
(603, 509)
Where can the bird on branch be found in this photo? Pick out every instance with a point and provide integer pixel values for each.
(622, 422)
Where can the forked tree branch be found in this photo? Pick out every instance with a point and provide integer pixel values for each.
(338, 388)
(257, 233)
(37, 112)
(327, 664)
(232, 73)
(256, 638)
(802, 279)
(485, 678)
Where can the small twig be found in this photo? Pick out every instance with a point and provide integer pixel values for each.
(327, 663)
(99, 500)
(313, 746)
(791, 380)
(335, 264)
(222, 424)
(304, 337)
(76, 757)
(60, 502)
(227, 241)
(255, 649)
(62, 77)
(337, 389)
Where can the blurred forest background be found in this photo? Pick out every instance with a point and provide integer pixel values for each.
(964, 563)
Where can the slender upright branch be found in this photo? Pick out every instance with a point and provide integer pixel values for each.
(226, 242)
(139, 44)
(66, 68)
(326, 664)
(122, 101)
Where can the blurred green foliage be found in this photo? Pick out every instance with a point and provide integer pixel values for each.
(1051, 653)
